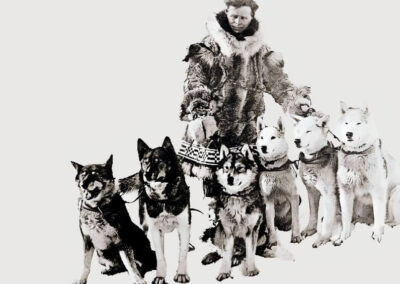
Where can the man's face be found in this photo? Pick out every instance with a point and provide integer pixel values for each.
(239, 18)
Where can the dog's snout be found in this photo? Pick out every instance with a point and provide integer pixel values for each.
(230, 180)
(297, 142)
(264, 149)
(349, 134)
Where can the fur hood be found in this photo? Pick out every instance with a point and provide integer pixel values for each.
(231, 44)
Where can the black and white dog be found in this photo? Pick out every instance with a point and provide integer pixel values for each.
(164, 203)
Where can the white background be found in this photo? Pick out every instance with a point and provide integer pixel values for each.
(80, 80)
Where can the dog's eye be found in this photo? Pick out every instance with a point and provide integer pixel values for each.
(240, 169)
(346, 123)
(262, 137)
(359, 123)
(308, 132)
(273, 137)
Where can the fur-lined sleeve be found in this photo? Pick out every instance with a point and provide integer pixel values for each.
(277, 83)
(200, 78)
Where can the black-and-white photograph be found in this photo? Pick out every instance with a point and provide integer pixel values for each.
(200, 141)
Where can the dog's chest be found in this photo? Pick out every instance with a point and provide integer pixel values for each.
(354, 172)
(309, 175)
(101, 233)
(239, 213)
(166, 221)
(275, 182)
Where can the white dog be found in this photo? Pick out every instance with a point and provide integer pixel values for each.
(318, 166)
(277, 181)
(368, 178)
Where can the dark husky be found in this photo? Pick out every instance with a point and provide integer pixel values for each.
(239, 209)
(163, 202)
(107, 228)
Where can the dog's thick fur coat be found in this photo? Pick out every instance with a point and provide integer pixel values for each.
(369, 178)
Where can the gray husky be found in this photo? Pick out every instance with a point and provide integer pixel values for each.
(318, 167)
(277, 181)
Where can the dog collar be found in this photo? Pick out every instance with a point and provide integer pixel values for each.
(319, 157)
(366, 151)
(267, 166)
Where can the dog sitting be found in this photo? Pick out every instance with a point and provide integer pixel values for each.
(163, 203)
(369, 178)
(277, 181)
(107, 228)
(239, 209)
(318, 167)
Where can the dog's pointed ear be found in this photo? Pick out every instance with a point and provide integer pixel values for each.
(260, 124)
(280, 125)
(247, 152)
(365, 110)
(223, 152)
(109, 164)
(323, 121)
(167, 145)
(142, 148)
(77, 166)
(343, 107)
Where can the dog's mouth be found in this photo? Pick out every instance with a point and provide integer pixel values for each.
(304, 107)
(89, 195)
(350, 140)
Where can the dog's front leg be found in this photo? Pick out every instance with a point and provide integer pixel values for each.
(270, 214)
(294, 204)
(87, 260)
(346, 197)
(158, 240)
(379, 201)
(313, 203)
(329, 203)
(249, 266)
(184, 238)
(128, 259)
(225, 269)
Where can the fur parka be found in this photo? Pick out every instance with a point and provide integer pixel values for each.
(226, 79)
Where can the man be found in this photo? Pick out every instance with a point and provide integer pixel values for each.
(229, 71)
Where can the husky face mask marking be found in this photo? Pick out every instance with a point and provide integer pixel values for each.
(355, 128)
(95, 182)
(236, 171)
(311, 133)
(271, 143)
(158, 166)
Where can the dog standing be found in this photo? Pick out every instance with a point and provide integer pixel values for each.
(239, 209)
(369, 178)
(277, 182)
(164, 203)
(318, 167)
(107, 228)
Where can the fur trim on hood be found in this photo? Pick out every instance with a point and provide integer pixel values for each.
(230, 44)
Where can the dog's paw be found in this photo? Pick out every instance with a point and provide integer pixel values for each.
(182, 278)
(253, 272)
(223, 276)
(308, 232)
(337, 242)
(82, 281)
(320, 241)
(159, 280)
(296, 239)
(210, 258)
